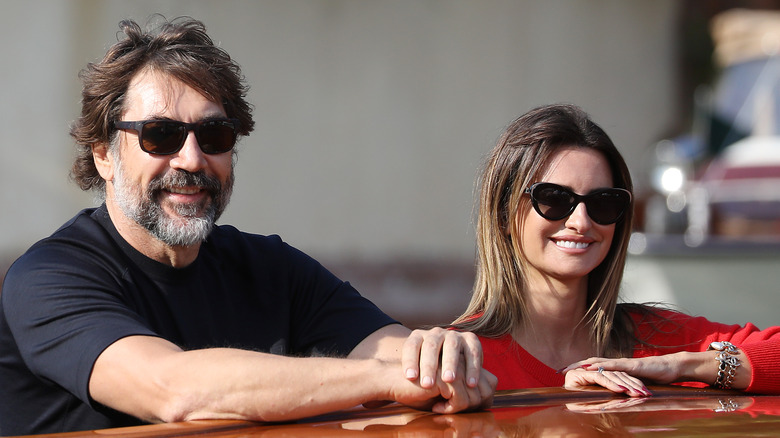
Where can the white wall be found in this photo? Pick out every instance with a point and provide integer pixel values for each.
(372, 116)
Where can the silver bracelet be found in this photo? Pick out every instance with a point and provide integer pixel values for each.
(727, 366)
(727, 406)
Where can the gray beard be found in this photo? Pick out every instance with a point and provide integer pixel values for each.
(193, 222)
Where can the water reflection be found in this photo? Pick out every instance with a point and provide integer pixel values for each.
(606, 417)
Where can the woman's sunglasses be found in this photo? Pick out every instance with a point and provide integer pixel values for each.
(165, 137)
(554, 202)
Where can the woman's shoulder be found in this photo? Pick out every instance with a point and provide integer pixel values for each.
(653, 313)
(495, 340)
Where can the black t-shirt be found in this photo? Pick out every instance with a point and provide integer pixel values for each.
(75, 293)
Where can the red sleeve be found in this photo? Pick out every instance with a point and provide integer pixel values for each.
(763, 356)
(668, 332)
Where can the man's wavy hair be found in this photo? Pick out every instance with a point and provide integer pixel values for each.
(180, 48)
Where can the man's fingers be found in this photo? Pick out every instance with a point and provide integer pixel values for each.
(459, 397)
(473, 355)
(451, 356)
(487, 388)
(410, 356)
(461, 348)
(430, 354)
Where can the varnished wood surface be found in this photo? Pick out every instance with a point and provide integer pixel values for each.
(671, 411)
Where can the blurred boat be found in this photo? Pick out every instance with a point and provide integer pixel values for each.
(723, 179)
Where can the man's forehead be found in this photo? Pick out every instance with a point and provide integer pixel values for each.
(155, 93)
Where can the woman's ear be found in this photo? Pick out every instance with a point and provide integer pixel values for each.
(103, 161)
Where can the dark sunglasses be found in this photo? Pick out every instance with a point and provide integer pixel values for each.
(554, 202)
(165, 137)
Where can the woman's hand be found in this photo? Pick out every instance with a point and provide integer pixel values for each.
(664, 369)
(668, 368)
(615, 381)
(658, 369)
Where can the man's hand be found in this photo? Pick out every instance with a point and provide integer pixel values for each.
(442, 397)
(423, 349)
(452, 361)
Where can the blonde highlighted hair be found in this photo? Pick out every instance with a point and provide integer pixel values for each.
(520, 157)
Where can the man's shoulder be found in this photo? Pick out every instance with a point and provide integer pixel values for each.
(227, 238)
(81, 236)
(226, 243)
(82, 230)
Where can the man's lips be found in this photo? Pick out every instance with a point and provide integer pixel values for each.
(184, 190)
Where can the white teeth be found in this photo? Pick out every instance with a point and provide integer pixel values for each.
(182, 191)
(568, 244)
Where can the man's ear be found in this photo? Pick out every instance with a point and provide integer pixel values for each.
(104, 162)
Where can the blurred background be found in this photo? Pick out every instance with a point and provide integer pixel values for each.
(373, 117)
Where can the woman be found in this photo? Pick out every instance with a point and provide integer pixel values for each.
(555, 213)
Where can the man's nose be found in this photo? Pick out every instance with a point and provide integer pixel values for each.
(190, 157)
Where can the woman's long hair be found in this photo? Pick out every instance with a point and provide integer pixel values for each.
(522, 155)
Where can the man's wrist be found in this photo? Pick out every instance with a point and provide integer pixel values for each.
(379, 378)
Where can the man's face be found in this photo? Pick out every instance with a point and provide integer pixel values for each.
(177, 197)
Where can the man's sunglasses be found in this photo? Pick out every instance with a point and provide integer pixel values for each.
(554, 202)
(165, 137)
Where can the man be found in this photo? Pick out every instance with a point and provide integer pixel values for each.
(142, 310)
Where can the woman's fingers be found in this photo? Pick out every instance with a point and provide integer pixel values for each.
(615, 381)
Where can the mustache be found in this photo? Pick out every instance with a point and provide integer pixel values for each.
(183, 178)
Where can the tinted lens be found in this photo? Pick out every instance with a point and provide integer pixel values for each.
(216, 136)
(162, 137)
(607, 206)
(553, 202)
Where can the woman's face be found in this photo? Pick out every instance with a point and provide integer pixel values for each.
(569, 248)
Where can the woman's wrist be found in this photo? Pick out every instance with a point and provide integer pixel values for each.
(698, 366)
(722, 367)
(728, 358)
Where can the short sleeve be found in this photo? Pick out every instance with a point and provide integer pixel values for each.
(63, 315)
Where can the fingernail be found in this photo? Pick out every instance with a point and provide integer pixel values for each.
(585, 366)
(646, 391)
(411, 374)
(560, 370)
(472, 382)
(427, 382)
(449, 376)
(624, 388)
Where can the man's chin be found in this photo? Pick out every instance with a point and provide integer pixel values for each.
(189, 211)
(182, 231)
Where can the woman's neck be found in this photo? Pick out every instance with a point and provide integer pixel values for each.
(555, 332)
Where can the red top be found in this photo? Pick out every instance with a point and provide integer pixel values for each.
(516, 368)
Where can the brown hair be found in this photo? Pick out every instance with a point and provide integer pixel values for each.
(180, 48)
(520, 157)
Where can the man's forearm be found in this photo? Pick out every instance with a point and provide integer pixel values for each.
(254, 386)
(151, 379)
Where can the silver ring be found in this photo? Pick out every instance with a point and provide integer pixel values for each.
(600, 370)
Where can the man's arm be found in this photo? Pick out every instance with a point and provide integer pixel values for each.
(153, 379)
